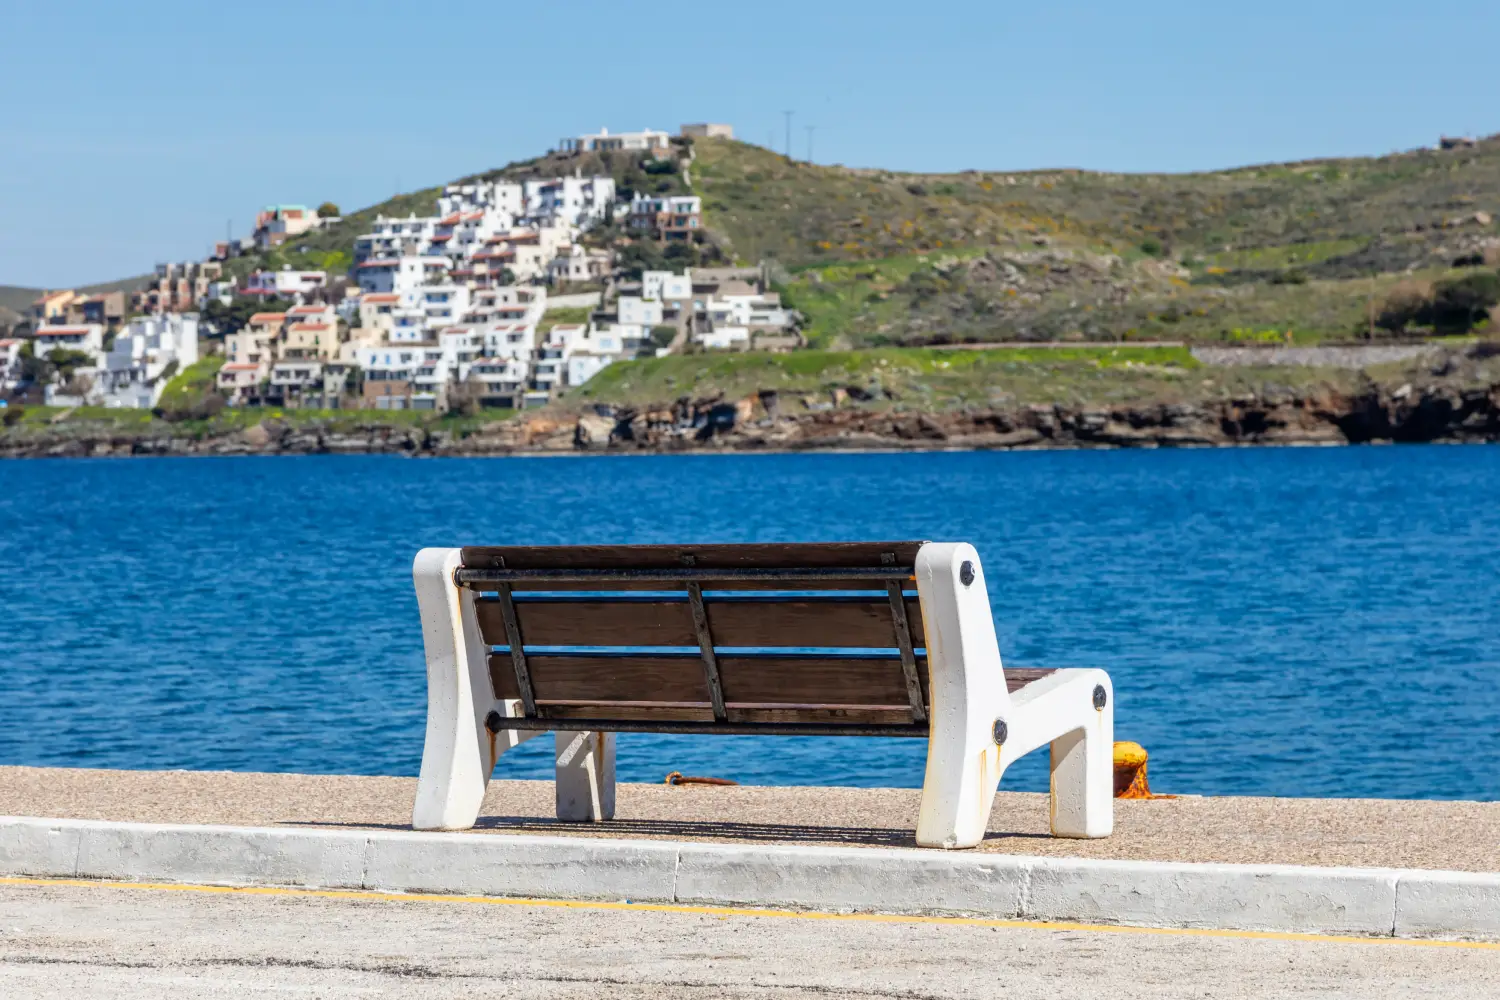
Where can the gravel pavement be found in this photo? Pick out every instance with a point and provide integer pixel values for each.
(106, 942)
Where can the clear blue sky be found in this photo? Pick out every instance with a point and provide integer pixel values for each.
(130, 134)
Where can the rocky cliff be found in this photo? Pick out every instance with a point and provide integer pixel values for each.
(763, 422)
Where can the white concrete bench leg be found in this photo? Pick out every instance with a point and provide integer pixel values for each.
(978, 729)
(1060, 709)
(458, 752)
(585, 777)
(967, 695)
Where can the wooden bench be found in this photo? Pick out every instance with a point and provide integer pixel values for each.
(850, 639)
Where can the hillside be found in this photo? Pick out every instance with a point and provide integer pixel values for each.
(1308, 251)
(1302, 251)
(1286, 251)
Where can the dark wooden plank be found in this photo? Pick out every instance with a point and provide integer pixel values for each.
(596, 623)
(853, 716)
(1018, 677)
(523, 589)
(716, 728)
(626, 713)
(753, 556)
(863, 624)
(813, 623)
(596, 679)
(815, 681)
(750, 683)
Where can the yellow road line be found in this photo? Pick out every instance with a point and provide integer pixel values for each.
(369, 895)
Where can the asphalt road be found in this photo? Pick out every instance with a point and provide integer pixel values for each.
(104, 941)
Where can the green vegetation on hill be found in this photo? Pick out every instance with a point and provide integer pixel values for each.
(929, 379)
(1301, 252)
(190, 393)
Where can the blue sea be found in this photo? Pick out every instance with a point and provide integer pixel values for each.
(1306, 622)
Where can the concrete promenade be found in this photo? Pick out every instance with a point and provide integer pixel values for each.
(105, 942)
(1393, 870)
(1363, 833)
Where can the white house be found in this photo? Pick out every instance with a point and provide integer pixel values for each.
(591, 352)
(577, 263)
(569, 201)
(10, 363)
(88, 338)
(401, 274)
(509, 304)
(239, 381)
(443, 305)
(292, 381)
(407, 237)
(144, 354)
(724, 338)
(668, 217)
(502, 381)
(514, 341)
(285, 283)
(633, 310)
(603, 140)
(664, 285)
(502, 196)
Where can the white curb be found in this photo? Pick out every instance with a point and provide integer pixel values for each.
(1286, 898)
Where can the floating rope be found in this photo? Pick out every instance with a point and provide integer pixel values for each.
(678, 778)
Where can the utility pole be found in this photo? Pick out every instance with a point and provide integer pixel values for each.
(810, 130)
(788, 134)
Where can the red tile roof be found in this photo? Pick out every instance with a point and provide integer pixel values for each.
(260, 318)
(61, 331)
(381, 297)
(310, 326)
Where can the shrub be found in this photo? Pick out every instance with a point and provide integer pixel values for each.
(13, 415)
(1151, 247)
(1462, 303)
(328, 210)
(1291, 276)
(1404, 306)
(660, 167)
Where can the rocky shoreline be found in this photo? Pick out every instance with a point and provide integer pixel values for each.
(760, 423)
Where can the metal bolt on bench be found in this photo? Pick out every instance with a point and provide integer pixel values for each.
(846, 639)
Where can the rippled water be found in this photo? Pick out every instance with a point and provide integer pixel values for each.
(1290, 622)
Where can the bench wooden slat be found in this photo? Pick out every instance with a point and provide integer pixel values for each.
(814, 681)
(603, 679)
(592, 623)
(752, 556)
(860, 624)
(523, 588)
(795, 680)
(887, 716)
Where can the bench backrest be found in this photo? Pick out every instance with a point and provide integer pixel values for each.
(803, 638)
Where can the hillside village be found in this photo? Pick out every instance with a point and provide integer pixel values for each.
(501, 297)
(516, 287)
